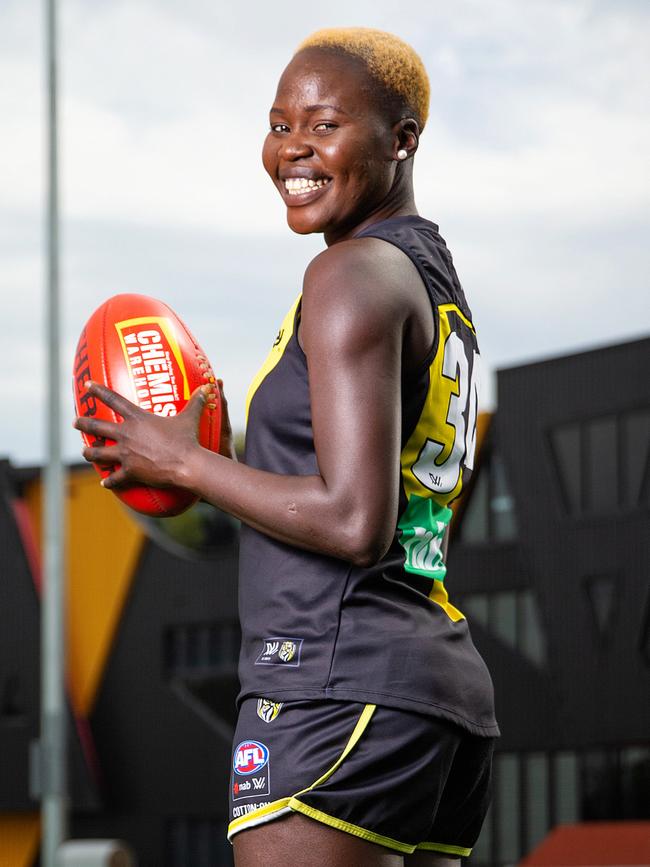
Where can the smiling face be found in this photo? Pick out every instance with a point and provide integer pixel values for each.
(331, 147)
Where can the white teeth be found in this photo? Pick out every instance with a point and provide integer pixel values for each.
(296, 186)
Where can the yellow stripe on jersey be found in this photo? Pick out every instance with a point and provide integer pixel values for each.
(431, 458)
(275, 354)
(439, 595)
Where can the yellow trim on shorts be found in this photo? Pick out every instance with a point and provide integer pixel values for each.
(444, 848)
(240, 823)
(260, 813)
(349, 828)
(359, 729)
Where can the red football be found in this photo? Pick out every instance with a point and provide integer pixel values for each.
(140, 348)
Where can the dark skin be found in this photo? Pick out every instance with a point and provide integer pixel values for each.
(365, 322)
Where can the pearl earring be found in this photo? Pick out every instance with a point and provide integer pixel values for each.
(402, 154)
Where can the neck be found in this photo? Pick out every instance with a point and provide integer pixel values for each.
(399, 202)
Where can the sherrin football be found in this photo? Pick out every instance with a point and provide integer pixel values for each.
(140, 348)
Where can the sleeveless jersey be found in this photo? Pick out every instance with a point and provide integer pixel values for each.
(314, 626)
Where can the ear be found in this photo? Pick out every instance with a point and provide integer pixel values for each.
(406, 136)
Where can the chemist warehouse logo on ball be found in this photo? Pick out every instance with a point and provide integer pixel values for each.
(280, 651)
(250, 762)
(155, 364)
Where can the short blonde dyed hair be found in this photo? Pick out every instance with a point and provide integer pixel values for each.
(388, 58)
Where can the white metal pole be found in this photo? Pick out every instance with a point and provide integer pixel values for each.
(53, 706)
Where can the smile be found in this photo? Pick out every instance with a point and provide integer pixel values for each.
(300, 186)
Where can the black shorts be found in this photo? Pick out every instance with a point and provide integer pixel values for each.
(403, 780)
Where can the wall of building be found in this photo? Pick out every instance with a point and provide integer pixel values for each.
(549, 560)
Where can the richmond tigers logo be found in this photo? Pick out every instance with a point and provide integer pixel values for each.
(268, 710)
(287, 651)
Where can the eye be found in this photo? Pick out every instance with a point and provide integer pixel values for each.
(325, 125)
(279, 127)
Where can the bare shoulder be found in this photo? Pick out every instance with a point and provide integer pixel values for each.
(360, 290)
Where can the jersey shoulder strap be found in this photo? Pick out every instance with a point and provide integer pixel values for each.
(420, 240)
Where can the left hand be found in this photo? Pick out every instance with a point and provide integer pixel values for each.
(148, 449)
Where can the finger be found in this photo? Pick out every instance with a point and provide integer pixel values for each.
(221, 393)
(106, 429)
(114, 480)
(111, 398)
(197, 402)
(101, 455)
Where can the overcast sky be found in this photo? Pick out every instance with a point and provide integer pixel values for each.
(534, 163)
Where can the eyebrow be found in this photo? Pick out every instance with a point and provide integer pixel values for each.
(311, 108)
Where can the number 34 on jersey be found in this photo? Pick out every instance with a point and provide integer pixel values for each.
(439, 456)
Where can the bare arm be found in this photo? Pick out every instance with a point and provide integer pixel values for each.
(352, 332)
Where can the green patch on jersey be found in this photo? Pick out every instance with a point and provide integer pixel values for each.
(422, 527)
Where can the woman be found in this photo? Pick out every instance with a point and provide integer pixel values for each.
(366, 720)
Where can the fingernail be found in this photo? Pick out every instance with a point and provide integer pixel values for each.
(88, 383)
(102, 483)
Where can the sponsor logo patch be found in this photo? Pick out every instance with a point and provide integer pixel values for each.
(252, 787)
(280, 651)
(251, 762)
(244, 809)
(250, 758)
(268, 710)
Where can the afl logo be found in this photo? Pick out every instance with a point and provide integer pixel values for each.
(250, 758)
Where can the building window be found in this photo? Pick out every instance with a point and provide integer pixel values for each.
(635, 436)
(512, 616)
(489, 515)
(565, 442)
(191, 649)
(531, 640)
(507, 807)
(644, 637)
(599, 785)
(635, 782)
(602, 592)
(601, 464)
(566, 788)
(536, 799)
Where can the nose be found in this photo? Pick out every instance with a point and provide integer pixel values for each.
(295, 146)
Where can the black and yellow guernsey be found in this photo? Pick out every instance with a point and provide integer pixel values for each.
(316, 627)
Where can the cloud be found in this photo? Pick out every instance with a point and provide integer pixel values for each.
(533, 163)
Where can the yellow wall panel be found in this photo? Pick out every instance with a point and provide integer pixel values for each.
(103, 546)
(19, 837)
